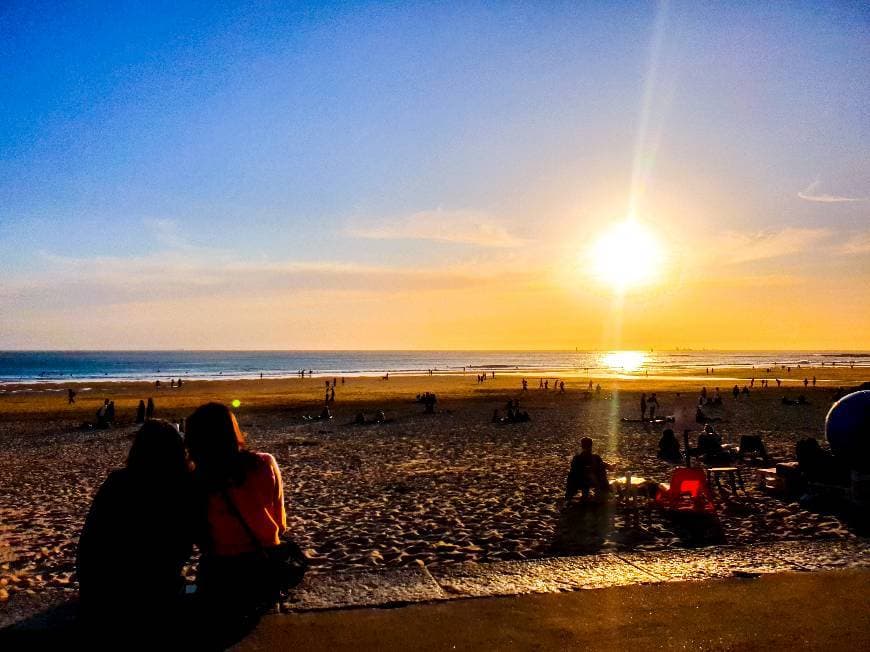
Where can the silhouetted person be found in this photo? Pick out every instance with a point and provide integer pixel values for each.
(71, 396)
(669, 447)
(140, 412)
(103, 416)
(588, 471)
(642, 407)
(149, 410)
(709, 441)
(242, 502)
(157, 385)
(135, 541)
(653, 405)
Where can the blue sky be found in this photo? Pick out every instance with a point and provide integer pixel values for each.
(397, 138)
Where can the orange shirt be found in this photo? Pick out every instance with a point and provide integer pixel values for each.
(260, 500)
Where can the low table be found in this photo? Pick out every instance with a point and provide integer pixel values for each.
(626, 487)
(714, 476)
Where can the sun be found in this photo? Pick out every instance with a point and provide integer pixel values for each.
(627, 256)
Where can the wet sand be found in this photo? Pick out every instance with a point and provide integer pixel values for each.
(421, 489)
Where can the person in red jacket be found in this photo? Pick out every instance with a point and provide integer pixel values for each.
(242, 508)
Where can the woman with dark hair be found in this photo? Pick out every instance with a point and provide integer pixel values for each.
(243, 504)
(136, 540)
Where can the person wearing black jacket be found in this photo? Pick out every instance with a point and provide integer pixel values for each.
(136, 539)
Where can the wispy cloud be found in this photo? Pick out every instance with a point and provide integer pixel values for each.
(167, 233)
(810, 193)
(179, 275)
(465, 227)
(738, 247)
(857, 244)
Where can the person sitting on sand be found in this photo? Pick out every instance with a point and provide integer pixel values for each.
(669, 447)
(242, 498)
(588, 471)
(137, 537)
(710, 445)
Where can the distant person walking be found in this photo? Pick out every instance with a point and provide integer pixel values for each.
(71, 396)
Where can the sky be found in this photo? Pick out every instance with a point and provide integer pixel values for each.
(432, 175)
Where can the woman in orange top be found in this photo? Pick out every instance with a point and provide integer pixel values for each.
(242, 504)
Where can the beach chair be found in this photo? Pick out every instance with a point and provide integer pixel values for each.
(688, 491)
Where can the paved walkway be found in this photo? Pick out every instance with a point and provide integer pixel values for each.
(822, 610)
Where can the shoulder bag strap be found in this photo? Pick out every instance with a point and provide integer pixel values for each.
(241, 519)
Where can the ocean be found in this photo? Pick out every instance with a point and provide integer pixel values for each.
(48, 366)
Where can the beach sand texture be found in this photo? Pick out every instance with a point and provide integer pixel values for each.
(421, 489)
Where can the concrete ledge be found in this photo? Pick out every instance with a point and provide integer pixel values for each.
(557, 574)
(365, 589)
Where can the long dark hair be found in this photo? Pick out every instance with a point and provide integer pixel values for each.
(158, 453)
(217, 446)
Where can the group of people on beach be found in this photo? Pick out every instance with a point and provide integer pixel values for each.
(204, 488)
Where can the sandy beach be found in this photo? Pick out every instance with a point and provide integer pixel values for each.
(432, 489)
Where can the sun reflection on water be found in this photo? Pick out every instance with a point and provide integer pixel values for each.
(623, 360)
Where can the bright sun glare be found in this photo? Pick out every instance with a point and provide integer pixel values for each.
(624, 360)
(627, 256)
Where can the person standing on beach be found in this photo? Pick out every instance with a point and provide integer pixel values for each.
(642, 407)
(653, 404)
(149, 411)
(71, 396)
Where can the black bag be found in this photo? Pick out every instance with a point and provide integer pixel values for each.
(283, 566)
